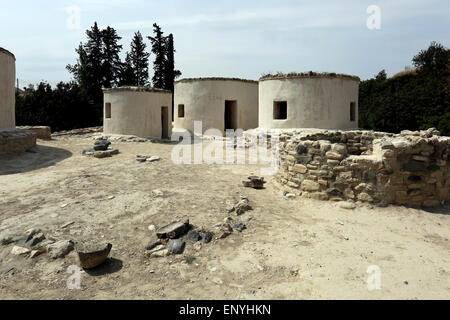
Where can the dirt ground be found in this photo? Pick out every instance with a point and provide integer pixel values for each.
(292, 249)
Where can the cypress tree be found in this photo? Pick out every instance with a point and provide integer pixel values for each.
(111, 60)
(158, 49)
(139, 60)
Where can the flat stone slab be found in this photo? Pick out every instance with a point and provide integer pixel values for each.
(92, 255)
(173, 230)
(60, 249)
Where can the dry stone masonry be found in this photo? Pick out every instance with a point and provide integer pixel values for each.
(16, 141)
(411, 168)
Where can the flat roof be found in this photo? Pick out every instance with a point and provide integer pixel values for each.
(215, 79)
(3, 50)
(136, 89)
(309, 74)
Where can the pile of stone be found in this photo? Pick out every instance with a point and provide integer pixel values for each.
(170, 238)
(101, 149)
(143, 159)
(33, 243)
(254, 182)
(241, 207)
(411, 168)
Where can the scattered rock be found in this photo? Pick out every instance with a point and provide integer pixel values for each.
(224, 231)
(194, 236)
(347, 205)
(255, 182)
(35, 240)
(101, 145)
(92, 255)
(60, 249)
(206, 236)
(239, 227)
(153, 245)
(141, 159)
(198, 246)
(153, 159)
(152, 228)
(290, 196)
(160, 253)
(158, 193)
(106, 153)
(67, 224)
(242, 206)
(21, 239)
(18, 251)
(217, 281)
(35, 253)
(176, 246)
(173, 230)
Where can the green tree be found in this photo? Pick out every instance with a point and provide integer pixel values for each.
(139, 60)
(434, 60)
(110, 57)
(159, 51)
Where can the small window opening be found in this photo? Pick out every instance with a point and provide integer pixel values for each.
(280, 110)
(108, 110)
(352, 111)
(181, 111)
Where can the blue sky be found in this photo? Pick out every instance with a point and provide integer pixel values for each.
(232, 38)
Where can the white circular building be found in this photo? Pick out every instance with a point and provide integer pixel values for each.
(219, 103)
(7, 89)
(140, 111)
(308, 100)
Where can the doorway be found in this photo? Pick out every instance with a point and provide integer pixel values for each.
(231, 114)
(165, 122)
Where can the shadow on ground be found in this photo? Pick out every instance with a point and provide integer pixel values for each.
(34, 159)
(111, 265)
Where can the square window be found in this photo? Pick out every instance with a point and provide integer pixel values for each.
(280, 110)
(108, 110)
(181, 111)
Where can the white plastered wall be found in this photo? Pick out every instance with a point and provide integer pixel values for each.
(322, 103)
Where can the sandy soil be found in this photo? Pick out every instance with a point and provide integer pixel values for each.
(292, 249)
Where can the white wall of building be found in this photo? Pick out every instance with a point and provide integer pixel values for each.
(312, 102)
(136, 112)
(204, 100)
(7, 90)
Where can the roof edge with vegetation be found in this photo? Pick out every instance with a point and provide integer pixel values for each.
(309, 74)
(136, 89)
(215, 79)
(3, 50)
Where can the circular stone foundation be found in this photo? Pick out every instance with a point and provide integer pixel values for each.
(16, 141)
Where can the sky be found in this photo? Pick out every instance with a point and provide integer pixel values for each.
(231, 38)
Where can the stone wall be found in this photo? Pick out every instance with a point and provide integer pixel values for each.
(411, 168)
(16, 141)
(42, 132)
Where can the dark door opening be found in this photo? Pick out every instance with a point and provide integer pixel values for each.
(230, 115)
(165, 122)
(352, 111)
